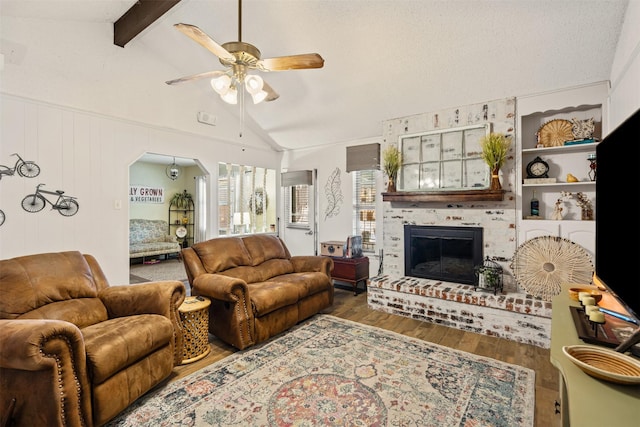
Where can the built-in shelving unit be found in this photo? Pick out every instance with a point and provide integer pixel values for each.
(583, 102)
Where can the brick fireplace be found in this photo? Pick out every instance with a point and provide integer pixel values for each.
(512, 314)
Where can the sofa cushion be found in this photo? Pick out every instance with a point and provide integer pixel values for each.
(262, 272)
(222, 253)
(81, 312)
(305, 283)
(148, 231)
(263, 247)
(154, 247)
(31, 282)
(271, 295)
(117, 343)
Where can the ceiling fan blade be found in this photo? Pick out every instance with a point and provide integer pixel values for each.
(208, 74)
(292, 62)
(272, 95)
(199, 36)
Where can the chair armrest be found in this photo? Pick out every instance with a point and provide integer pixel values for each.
(219, 287)
(163, 298)
(171, 238)
(231, 316)
(304, 263)
(51, 355)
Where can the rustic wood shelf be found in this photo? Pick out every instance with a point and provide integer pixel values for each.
(445, 196)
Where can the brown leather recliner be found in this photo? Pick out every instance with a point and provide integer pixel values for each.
(257, 289)
(75, 351)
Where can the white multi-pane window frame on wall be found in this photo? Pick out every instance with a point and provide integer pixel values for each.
(298, 198)
(364, 207)
(297, 206)
(246, 199)
(446, 159)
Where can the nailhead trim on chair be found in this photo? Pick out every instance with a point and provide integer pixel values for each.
(59, 371)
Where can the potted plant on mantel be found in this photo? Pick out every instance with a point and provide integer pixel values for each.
(495, 147)
(391, 162)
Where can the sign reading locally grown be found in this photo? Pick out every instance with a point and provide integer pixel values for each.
(144, 194)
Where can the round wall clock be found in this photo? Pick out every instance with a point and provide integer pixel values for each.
(537, 168)
(181, 232)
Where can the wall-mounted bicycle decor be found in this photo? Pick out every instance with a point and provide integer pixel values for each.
(65, 205)
(1, 217)
(25, 168)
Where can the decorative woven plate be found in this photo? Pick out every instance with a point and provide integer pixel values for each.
(555, 132)
(604, 364)
(540, 265)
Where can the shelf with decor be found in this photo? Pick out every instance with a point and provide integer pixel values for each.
(556, 145)
(181, 218)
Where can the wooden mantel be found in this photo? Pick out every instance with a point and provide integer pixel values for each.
(445, 196)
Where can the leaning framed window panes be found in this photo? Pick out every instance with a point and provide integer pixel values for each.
(446, 159)
(297, 206)
(246, 199)
(364, 208)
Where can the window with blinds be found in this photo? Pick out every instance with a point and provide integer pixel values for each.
(297, 206)
(364, 208)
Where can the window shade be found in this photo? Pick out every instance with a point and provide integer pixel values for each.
(363, 157)
(290, 179)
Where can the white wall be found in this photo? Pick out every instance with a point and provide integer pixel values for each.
(88, 156)
(625, 70)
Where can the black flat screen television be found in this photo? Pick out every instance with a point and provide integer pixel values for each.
(617, 252)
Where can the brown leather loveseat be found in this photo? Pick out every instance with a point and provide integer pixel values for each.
(75, 351)
(257, 289)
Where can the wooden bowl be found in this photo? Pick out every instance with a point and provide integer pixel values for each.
(596, 294)
(604, 364)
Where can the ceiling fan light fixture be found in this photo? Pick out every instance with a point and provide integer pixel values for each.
(259, 96)
(254, 84)
(231, 96)
(221, 84)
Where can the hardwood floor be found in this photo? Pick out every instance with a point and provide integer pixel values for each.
(350, 307)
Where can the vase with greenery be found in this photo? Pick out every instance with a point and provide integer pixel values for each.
(391, 162)
(495, 147)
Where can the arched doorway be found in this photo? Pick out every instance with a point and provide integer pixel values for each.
(154, 181)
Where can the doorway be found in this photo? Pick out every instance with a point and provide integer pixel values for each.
(165, 177)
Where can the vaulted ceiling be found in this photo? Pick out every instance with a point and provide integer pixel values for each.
(383, 58)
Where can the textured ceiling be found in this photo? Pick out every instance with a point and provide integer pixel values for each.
(383, 59)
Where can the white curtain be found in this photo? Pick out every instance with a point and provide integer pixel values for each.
(201, 209)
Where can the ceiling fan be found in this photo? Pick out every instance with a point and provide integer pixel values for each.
(240, 57)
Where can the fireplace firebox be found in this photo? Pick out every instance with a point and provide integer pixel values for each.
(442, 253)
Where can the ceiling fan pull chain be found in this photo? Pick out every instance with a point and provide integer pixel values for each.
(241, 112)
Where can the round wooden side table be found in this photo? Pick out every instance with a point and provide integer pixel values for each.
(194, 313)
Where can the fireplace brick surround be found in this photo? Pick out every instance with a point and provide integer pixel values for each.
(512, 314)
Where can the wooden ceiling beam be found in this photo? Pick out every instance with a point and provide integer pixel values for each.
(142, 14)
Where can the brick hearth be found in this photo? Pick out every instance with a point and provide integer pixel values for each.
(514, 316)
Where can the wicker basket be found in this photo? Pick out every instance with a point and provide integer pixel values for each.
(194, 314)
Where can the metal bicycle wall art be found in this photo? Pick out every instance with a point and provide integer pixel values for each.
(65, 205)
(25, 168)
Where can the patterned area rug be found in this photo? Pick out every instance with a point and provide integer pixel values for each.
(333, 372)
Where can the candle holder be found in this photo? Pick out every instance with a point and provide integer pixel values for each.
(592, 166)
